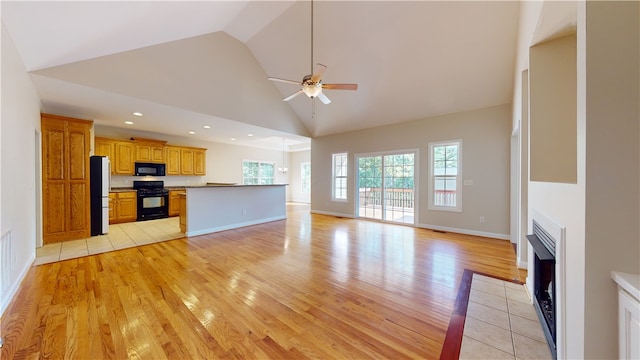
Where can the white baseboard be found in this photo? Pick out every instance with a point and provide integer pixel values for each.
(233, 226)
(432, 227)
(13, 290)
(523, 265)
(332, 214)
(466, 231)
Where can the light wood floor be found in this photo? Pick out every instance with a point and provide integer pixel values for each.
(311, 286)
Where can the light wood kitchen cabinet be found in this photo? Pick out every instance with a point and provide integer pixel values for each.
(183, 160)
(199, 162)
(124, 159)
(183, 212)
(173, 160)
(104, 147)
(186, 161)
(121, 154)
(66, 145)
(179, 160)
(149, 150)
(123, 207)
(174, 202)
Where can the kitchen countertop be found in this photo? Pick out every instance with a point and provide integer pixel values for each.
(184, 187)
(121, 189)
(217, 185)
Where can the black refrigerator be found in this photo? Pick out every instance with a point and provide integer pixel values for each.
(100, 184)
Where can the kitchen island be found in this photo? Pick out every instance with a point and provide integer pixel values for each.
(213, 208)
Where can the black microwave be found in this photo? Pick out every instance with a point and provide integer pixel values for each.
(150, 169)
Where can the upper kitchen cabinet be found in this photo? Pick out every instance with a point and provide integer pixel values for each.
(123, 163)
(173, 160)
(179, 160)
(183, 160)
(66, 145)
(199, 162)
(104, 147)
(121, 153)
(149, 150)
(186, 161)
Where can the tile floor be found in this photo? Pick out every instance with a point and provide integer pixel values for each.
(120, 236)
(501, 323)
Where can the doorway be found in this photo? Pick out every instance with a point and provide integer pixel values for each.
(386, 187)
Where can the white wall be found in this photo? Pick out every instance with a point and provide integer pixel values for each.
(612, 116)
(485, 135)
(19, 123)
(601, 210)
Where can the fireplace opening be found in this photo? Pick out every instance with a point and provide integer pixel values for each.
(544, 282)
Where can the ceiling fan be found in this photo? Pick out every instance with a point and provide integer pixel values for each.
(312, 84)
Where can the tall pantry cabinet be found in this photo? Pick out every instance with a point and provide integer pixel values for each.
(66, 144)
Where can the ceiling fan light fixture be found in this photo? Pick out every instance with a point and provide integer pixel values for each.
(312, 90)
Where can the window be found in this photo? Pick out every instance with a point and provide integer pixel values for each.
(257, 172)
(305, 176)
(340, 176)
(446, 179)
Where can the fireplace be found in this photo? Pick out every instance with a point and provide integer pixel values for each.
(544, 282)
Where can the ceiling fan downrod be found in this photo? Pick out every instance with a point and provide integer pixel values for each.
(311, 71)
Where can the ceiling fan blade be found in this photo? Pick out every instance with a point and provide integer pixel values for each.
(292, 95)
(340, 86)
(284, 80)
(325, 100)
(319, 71)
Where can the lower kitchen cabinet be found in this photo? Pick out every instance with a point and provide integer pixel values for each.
(174, 202)
(122, 207)
(182, 196)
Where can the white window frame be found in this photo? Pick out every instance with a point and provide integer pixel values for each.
(305, 181)
(335, 177)
(459, 182)
(259, 162)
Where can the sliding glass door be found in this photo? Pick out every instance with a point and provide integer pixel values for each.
(386, 187)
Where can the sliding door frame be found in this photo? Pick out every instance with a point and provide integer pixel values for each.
(416, 182)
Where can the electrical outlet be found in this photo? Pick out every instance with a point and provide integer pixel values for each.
(481, 219)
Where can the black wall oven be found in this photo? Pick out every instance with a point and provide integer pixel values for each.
(153, 200)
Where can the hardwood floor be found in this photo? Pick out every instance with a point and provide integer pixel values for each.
(311, 286)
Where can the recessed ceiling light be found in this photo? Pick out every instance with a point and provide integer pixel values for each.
(249, 135)
(233, 139)
(137, 113)
(207, 127)
(129, 122)
(192, 132)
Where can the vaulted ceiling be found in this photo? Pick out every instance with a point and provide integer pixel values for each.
(190, 64)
